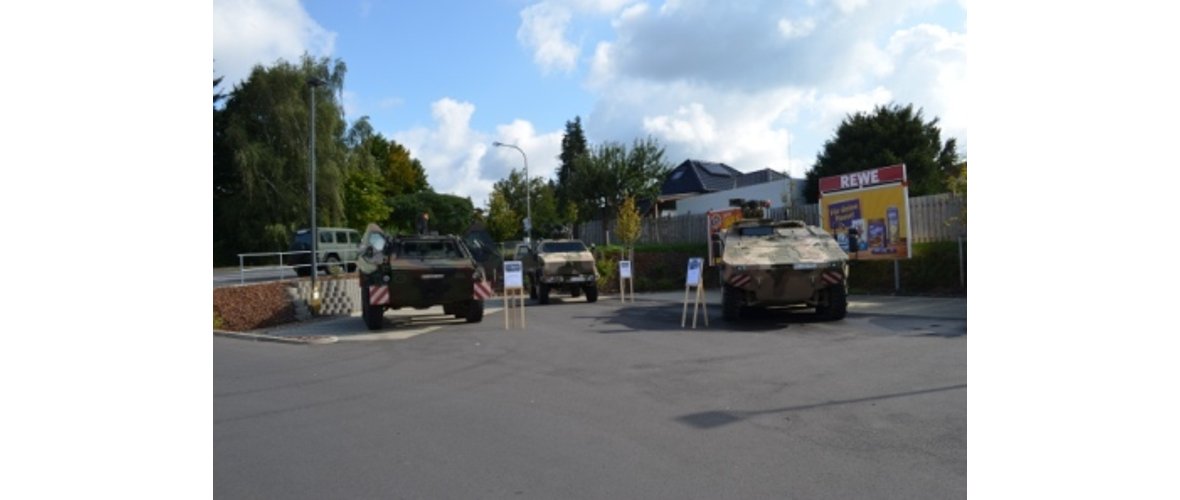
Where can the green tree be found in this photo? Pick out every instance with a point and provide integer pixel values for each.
(449, 214)
(629, 224)
(573, 150)
(612, 172)
(888, 136)
(503, 222)
(260, 157)
(957, 184)
(542, 198)
(402, 173)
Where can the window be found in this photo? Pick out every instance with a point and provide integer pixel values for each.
(757, 231)
(326, 237)
(563, 246)
(342, 236)
(354, 237)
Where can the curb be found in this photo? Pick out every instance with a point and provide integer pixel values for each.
(314, 340)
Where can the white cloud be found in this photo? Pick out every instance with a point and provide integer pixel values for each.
(690, 124)
(850, 6)
(737, 82)
(461, 161)
(248, 33)
(542, 29)
(932, 72)
(796, 29)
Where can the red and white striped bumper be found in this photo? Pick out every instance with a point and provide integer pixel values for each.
(739, 280)
(483, 290)
(378, 295)
(833, 277)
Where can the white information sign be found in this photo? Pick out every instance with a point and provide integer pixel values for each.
(694, 271)
(513, 274)
(625, 269)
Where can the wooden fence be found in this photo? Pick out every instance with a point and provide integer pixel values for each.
(932, 218)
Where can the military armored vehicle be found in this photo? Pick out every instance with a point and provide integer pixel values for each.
(767, 263)
(419, 271)
(565, 265)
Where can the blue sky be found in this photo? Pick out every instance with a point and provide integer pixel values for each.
(754, 84)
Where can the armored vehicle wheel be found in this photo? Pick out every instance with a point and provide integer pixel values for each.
(543, 293)
(475, 311)
(837, 306)
(373, 315)
(591, 293)
(731, 305)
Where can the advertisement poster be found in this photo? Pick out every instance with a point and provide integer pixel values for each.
(718, 220)
(513, 274)
(625, 269)
(873, 202)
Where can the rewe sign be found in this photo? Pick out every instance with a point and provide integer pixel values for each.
(864, 178)
(868, 212)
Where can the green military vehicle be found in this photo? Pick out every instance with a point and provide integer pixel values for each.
(419, 271)
(780, 263)
(565, 265)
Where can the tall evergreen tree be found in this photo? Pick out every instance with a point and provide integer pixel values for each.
(573, 149)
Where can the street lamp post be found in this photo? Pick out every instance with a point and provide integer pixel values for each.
(312, 295)
(528, 226)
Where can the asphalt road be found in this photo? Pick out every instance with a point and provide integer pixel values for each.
(603, 401)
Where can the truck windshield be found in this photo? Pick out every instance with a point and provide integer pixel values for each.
(757, 231)
(563, 246)
(428, 250)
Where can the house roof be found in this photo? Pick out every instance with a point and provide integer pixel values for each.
(695, 176)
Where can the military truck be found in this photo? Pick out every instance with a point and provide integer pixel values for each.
(565, 265)
(419, 271)
(766, 263)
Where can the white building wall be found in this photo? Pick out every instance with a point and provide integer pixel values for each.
(772, 191)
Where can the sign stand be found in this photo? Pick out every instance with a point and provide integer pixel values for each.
(625, 279)
(511, 298)
(513, 292)
(694, 280)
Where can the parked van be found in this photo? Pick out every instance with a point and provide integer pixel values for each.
(338, 249)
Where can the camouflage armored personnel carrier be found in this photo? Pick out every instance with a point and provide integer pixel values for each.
(419, 271)
(565, 265)
(780, 263)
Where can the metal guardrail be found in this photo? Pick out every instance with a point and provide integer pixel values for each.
(242, 269)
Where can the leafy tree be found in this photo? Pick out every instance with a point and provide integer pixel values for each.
(573, 149)
(629, 223)
(888, 136)
(957, 184)
(542, 198)
(612, 172)
(449, 214)
(260, 156)
(402, 174)
(503, 222)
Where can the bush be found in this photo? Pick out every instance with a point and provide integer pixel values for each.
(933, 269)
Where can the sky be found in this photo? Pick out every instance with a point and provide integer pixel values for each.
(753, 84)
